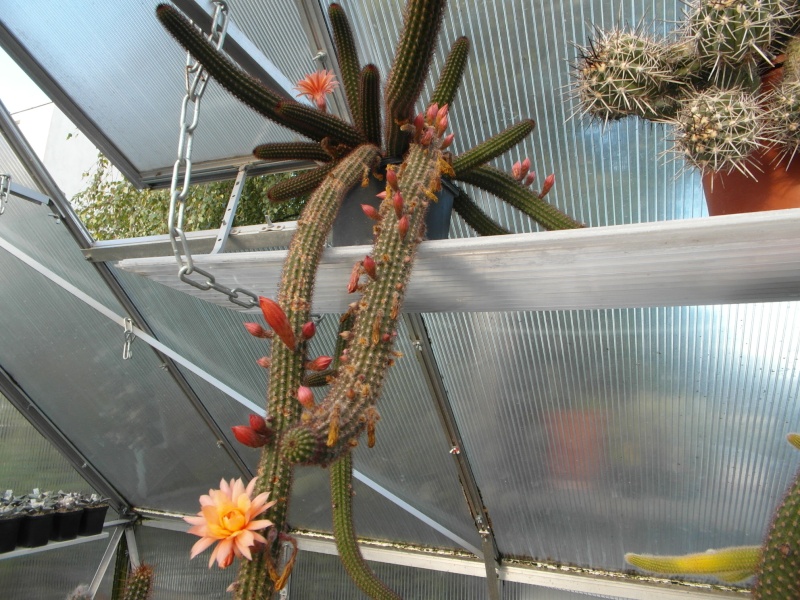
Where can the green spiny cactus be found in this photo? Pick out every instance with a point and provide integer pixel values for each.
(493, 147)
(452, 72)
(299, 185)
(370, 104)
(292, 150)
(139, 583)
(718, 130)
(475, 217)
(348, 60)
(784, 117)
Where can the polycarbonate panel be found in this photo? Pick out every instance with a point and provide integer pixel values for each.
(29, 460)
(53, 574)
(126, 73)
(519, 68)
(10, 164)
(596, 433)
(129, 418)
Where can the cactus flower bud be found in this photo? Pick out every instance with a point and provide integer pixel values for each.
(441, 125)
(447, 141)
(259, 425)
(352, 285)
(369, 266)
(391, 178)
(547, 185)
(265, 362)
(278, 320)
(305, 397)
(308, 331)
(397, 202)
(248, 436)
(258, 331)
(430, 116)
(371, 212)
(419, 123)
(381, 195)
(402, 226)
(427, 137)
(319, 364)
(529, 179)
(516, 171)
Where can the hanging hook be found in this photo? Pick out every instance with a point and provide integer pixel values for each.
(129, 337)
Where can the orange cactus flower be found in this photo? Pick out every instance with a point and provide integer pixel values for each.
(227, 516)
(316, 86)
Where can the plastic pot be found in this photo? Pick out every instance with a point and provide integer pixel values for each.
(9, 531)
(66, 525)
(92, 520)
(34, 531)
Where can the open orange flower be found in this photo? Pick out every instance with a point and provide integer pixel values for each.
(316, 86)
(227, 516)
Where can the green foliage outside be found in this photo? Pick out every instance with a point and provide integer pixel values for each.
(112, 208)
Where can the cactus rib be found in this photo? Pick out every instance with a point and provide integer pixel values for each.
(292, 151)
(341, 477)
(139, 583)
(506, 188)
(369, 104)
(299, 185)
(323, 124)
(475, 217)
(493, 147)
(452, 72)
(348, 59)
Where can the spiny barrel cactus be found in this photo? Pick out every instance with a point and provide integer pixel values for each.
(296, 429)
(706, 83)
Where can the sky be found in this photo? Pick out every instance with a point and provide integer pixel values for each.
(18, 92)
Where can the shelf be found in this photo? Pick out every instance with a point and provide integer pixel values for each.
(717, 260)
(53, 546)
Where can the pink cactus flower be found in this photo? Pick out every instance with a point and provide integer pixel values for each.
(316, 86)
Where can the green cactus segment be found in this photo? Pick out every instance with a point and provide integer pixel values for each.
(302, 184)
(369, 98)
(623, 73)
(319, 124)
(730, 31)
(342, 499)
(412, 59)
(783, 120)
(292, 151)
(139, 583)
(718, 130)
(778, 573)
(452, 72)
(508, 189)
(299, 446)
(493, 147)
(475, 217)
(252, 582)
(728, 564)
(348, 58)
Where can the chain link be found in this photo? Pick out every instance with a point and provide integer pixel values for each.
(5, 188)
(196, 80)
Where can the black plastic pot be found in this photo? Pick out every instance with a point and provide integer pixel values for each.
(92, 520)
(353, 228)
(66, 525)
(9, 530)
(34, 531)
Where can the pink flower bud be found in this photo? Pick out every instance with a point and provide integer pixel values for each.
(308, 331)
(306, 397)
(248, 436)
(258, 331)
(419, 123)
(516, 171)
(397, 202)
(529, 179)
(355, 274)
(526, 166)
(259, 425)
(447, 141)
(391, 178)
(277, 319)
(369, 267)
(441, 125)
(427, 137)
(402, 226)
(371, 212)
(430, 116)
(265, 362)
(547, 185)
(381, 195)
(319, 364)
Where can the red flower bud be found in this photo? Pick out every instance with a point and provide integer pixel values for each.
(264, 362)
(516, 171)
(529, 179)
(391, 178)
(258, 331)
(352, 285)
(427, 137)
(397, 202)
(259, 425)
(319, 364)
(526, 166)
(371, 212)
(381, 195)
(402, 226)
(441, 125)
(369, 266)
(547, 185)
(278, 320)
(306, 397)
(248, 436)
(430, 116)
(419, 123)
(308, 331)
(447, 141)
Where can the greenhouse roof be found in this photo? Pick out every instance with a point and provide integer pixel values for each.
(564, 397)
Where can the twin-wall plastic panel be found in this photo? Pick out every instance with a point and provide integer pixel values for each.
(10, 164)
(421, 474)
(519, 67)
(596, 433)
(128, 418)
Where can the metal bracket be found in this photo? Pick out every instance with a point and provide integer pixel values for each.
(230, 211)
(5, 187)
(133, 549)
(108, 555)
(129, 337)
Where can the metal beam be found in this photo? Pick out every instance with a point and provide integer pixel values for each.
(480, 516)
(108, 555)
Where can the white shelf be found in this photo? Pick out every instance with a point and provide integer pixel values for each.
(53, 546)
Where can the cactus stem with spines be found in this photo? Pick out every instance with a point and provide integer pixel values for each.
(452, 72)
(348, 60)
(475, 217)
(369, 111)
(292, 150)
(301, 184)
(493, 147)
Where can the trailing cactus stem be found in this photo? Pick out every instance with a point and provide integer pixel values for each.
(344, 414)
(342, 499)
(348, 58)
(369, 111)
(302, 184)
(475, 217)
(493, 147)
(286, 373)
(292, 151)
(321, 124)
(452, 72)
(506, 188)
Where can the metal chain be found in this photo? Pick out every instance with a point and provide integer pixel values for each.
(5, 188)
(196, 80)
